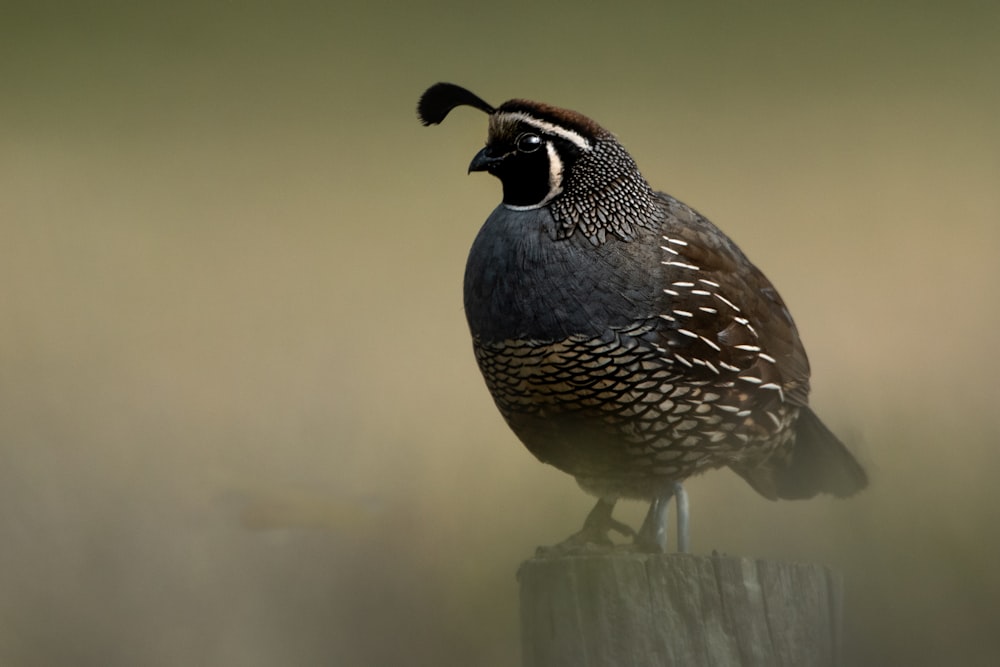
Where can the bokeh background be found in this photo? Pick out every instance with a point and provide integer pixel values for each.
(240, 421)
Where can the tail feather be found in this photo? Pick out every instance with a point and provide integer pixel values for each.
(817, 463)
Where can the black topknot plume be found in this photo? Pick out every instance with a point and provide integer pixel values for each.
(441, 98)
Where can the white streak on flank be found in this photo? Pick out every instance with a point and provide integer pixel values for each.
(548, 128)
(701, 292)
(774, 418)
(671, 292)
(690, 334)
(682, 265)
(727, 302)
(681, 283)
(683, 313)
(742, 320)
(748, 348)
(775, 387)
(683, 361)
(674, 241)
(751, 379)
(729, 367)
(670, 250)
(743, 413)
(767, 357)
(668, 318)
(708, 282)
(727, 408)
(706, 309)
(711, 344)
(711, 366)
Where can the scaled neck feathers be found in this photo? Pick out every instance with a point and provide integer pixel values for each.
(604, 194)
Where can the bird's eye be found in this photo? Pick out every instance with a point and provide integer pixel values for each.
(529, 143)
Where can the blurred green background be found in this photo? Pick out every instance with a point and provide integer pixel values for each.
(240, 421)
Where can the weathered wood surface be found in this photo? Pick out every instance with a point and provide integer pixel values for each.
(626, 609)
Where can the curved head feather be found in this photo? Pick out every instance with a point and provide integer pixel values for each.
(438, 100)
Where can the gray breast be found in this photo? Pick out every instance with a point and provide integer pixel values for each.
(522, 282)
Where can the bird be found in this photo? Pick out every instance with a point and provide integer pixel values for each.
(624, 338)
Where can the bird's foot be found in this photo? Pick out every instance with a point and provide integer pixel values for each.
(594, 534)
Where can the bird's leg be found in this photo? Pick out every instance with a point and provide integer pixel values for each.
(653, 533)
(683, 519)
(597, 525)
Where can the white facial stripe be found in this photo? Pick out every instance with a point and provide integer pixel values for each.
(548, 128)
(555, 171)
(555, 180)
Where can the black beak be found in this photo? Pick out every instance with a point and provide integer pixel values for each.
(483, 161)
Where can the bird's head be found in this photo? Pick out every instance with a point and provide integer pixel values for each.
(549, 156)
(531, 147)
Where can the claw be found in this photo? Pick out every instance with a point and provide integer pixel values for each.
(596, 527)
(652, 536)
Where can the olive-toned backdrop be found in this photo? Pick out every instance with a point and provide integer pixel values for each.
(240, 422)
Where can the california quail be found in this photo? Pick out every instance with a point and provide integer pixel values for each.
(625, 339)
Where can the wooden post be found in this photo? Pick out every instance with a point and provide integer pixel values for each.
(621, 609)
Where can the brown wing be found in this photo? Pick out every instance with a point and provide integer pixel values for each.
(722, 316)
